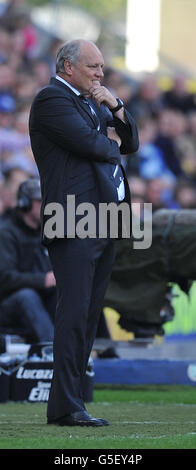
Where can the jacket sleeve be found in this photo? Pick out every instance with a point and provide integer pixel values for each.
(57, 116)
(11, 279)
(127, 132)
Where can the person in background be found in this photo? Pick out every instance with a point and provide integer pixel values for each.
(185, 195)
(27, 283)
(147, 98)
(138, 187)
(178, 97)
(14, 170)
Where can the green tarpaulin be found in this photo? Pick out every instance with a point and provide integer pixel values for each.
(139, 285)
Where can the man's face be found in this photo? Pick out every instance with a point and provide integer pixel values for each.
(88, 70)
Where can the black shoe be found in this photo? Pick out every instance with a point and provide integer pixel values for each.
(79, 418)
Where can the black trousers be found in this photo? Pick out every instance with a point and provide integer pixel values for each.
(82, 269)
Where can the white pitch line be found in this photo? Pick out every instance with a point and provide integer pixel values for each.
(156, 422)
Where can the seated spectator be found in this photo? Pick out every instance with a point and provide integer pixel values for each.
(15, 149)
(12, 142)
(119, 84)
(147, 100)
(7, 110)
(186, 146)
(191, 123)
(7, 78)
(171, 126)
(41, 72)
(4, 45)
(16, 18)
(15, 171)
(19, 161)
(14, 134)
(178, 98)
(185, 195)
(138, 188)
(27, 284)
(159, 192)
(151, 159)
(49, 53)
(25, 89)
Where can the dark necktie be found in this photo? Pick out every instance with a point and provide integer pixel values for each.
(94, 114)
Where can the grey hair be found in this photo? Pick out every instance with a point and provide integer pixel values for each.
(69, 51)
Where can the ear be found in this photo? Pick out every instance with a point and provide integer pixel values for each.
(68, 67)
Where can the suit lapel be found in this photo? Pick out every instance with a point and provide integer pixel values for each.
(79, 103)
(85, 108)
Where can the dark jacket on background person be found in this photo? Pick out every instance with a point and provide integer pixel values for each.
(23, 259)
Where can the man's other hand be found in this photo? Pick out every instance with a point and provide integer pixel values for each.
(50, 280)
(112, 134)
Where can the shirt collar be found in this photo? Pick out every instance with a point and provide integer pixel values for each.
(68, 84)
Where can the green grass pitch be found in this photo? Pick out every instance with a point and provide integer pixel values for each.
(148, 417)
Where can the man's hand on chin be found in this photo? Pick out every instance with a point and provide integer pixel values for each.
(102, 95)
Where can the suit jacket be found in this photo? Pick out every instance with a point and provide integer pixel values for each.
(72, 156)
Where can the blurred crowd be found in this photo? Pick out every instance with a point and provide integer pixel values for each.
(162, 172)
(25, 67)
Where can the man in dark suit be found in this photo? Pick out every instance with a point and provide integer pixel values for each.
(78, 131)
